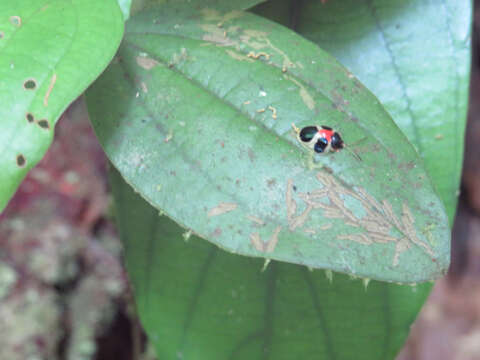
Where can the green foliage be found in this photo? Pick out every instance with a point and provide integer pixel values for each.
(50, 51)
(419, 70)
(198, 302)
(196, 112)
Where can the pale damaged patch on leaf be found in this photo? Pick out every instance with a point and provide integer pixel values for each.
(379, 224)
(295, 221)
(146, 62)
(216, 35)
(222, 208)
(304, 94)
(53, 80)
(256, 56)
(256, 220)
(263, 246)
(257, 40)
(180, 57)
(238, 56)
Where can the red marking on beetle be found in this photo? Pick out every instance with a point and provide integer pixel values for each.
(327, 134)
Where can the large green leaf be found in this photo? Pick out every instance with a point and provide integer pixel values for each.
(198, 302)
(50, 51)
(196, 113)
(415, 56)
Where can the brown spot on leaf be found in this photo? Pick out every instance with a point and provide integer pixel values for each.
(44, 124)
(21, 161)
(30, 84)
(30, 118)
(271, 182)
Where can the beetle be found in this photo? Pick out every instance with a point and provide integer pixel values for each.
(321, 139)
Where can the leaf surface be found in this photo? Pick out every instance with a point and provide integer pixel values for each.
(196, 113)
(418, 69)
(50, 51)
(199, 302)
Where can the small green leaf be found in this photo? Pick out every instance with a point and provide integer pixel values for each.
(196, 301)
(418, 69)
(50, 51)
(196, 113)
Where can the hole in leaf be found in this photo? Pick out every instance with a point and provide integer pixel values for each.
(30, 117)
(16, 20)
(21, 161)
(30, 84)
(44, 124)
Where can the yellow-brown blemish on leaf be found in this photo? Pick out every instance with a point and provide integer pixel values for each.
(211, 14)
(290, 202)
(377, 225)
(216, 35)
(401, 246)
(53, 80)
(169, 136)
(256, 220)
(252, 55)
(238, 56)
(428, 234)
(259, 40)
(178, 58)
(326, 226)
(304, 94)
(144, 87)
(256, 241)
(268, 246)
(274, 112)
(222, 208)
(146, 62)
